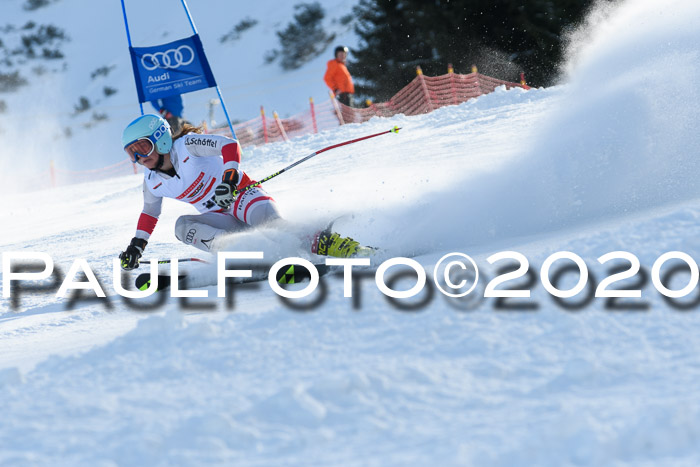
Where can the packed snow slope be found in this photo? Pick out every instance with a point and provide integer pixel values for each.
(604, 162)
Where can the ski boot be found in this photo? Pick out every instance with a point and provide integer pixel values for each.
(327, 243)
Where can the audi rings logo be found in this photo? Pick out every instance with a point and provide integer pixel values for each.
(190, 236)
(170, 59)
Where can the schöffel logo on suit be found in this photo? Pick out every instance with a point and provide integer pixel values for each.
(200, 142)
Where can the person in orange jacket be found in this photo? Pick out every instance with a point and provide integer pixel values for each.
(338, 77)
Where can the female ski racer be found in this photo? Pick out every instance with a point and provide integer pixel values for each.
(203, 170)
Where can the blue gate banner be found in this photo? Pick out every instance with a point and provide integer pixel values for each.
(174, 68)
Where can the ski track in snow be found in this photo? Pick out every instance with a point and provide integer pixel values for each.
(577, 167)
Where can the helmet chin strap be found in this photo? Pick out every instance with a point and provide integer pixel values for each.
(161, 159)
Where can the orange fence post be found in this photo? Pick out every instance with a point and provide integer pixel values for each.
(313, 114)
(264, 123)
(475, 72)
(280, 126)
(336, 107)
(370, 106)
(419, 72)
(523, 83)
(451, 72)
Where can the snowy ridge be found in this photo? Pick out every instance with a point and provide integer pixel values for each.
(604, 162)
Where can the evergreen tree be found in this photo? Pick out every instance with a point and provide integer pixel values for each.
(501, 37)
(386, 58)
(303, 39)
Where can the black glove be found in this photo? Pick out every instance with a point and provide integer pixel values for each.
(226, 193)
(130, 257)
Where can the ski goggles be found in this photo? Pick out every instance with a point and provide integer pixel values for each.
(139, 149)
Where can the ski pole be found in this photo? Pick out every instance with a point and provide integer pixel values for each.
(179, 260)
(304, 159)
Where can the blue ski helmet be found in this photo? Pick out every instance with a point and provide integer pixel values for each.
(153, 127)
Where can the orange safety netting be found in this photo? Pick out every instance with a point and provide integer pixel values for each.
(422, 95)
